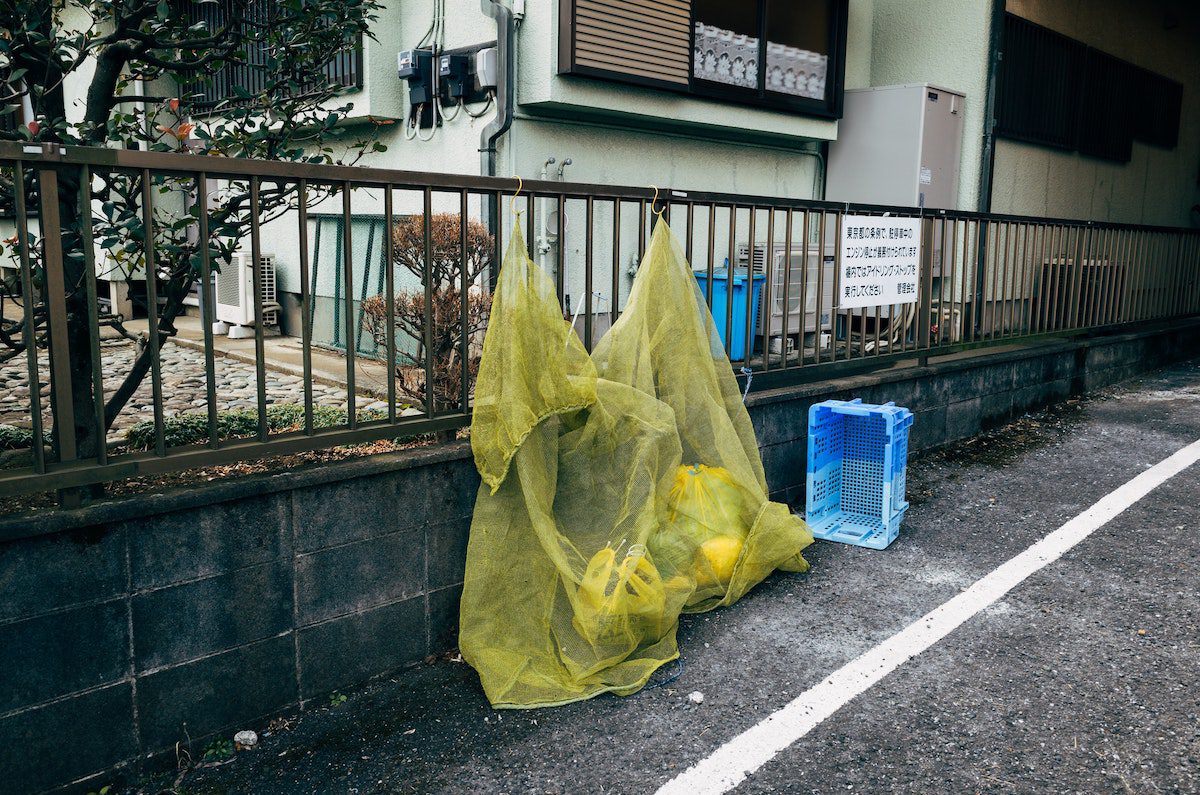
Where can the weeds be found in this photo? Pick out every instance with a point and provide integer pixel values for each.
(192, 428)
(217, 751)
(14, 438)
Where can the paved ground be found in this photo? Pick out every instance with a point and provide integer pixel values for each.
(183, 386)
(184, 379)
(1085, 678)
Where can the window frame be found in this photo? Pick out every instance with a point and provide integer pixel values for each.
(829, 108)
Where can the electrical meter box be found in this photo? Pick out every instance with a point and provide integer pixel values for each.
(898, 145)
(454, 74)
(485, 69)
(416, 67)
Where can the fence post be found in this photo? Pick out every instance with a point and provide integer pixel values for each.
(1083, 247)
(925, 280)
(61, 397)
(981, 238)
(56, 301)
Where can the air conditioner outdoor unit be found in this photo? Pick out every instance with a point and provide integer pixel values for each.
(234, 292)
(804, 282)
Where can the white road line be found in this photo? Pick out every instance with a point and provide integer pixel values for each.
(729, 765)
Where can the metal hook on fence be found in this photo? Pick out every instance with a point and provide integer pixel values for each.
(654, 201)
(512, 203)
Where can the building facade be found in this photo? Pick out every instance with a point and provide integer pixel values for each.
(749, 98)
(619, 126)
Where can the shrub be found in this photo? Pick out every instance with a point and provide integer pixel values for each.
(14, 438)
(445, 272)
(192, 428)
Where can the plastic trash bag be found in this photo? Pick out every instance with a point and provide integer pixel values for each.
(705, 530)
(619, 489)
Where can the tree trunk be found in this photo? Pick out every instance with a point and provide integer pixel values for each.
(142, 364)
(88, 433)
(51, 104)
(90, 429)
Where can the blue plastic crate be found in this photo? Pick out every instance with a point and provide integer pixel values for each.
(857, 462)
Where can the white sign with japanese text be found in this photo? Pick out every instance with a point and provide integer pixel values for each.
(880, 261)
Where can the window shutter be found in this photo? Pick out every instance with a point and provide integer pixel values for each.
(1038, 91)
(1057, 91)
(1157, 107)
(647, 41)
(1105, 123)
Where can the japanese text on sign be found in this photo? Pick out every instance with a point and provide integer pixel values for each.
(880, 261)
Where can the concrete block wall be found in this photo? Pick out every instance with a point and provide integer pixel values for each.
(217, 608)
(957, 398)
(126, 627)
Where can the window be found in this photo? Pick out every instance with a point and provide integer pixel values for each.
(773, 48)
(9, 123)
(787, 54)
(725, 43)
(798, 46)
(344, 67)
(1055, 91)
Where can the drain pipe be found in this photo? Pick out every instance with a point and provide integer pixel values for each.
(987, 161)
(504, 93)
(818, 186)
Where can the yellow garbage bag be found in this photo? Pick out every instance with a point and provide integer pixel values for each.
(613, 593)
(619, 489)
(706, 529)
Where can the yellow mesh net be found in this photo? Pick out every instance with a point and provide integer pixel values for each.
(619, 489)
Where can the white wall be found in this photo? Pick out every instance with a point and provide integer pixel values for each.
(859, 45)
(614, 135)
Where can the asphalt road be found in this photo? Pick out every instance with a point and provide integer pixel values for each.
(1084, 678)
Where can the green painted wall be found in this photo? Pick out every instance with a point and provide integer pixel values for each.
(943, 42)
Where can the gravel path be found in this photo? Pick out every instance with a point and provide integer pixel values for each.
(183, 389)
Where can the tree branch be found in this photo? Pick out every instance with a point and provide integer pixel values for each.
(101, 94)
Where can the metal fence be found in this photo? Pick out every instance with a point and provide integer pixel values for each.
(984, 280)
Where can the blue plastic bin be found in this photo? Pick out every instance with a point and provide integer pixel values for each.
(737, 347)
(857, 463)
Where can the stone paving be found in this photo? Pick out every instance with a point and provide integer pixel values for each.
(183, 380)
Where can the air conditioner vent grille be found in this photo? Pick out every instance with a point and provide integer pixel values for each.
(810, 274)
(235, 291)
(227, 284)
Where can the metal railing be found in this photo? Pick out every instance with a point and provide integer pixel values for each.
(983, 280)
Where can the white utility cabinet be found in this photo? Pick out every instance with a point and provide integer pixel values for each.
(898, 145)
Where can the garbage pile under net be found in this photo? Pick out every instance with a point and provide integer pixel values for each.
(619, 490)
